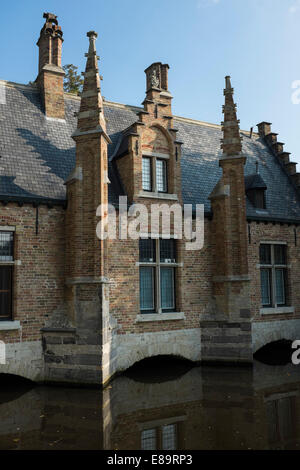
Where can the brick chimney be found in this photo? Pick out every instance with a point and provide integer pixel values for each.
(51, 75)
(157, 76)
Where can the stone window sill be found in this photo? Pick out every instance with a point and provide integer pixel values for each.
(276, 310)
(11, 263)
(146, 317)
(10, 325)
(151, 195)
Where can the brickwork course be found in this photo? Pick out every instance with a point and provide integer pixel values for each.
(76, 299)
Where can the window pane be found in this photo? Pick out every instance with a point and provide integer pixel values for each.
(147, 288)
(167, 288)
(167, 251)
(169, 437)
(146, 174)
(265, 277)
(161, 175)
(265, 254)
(280, 254)
(280, 290)
(147, 251)
(149, 439)
(6, 246)
(5, 291)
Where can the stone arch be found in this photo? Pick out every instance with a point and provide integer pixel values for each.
(25, 360)
(264, 333)
(181, 343)
(20, 370)
(157, 139)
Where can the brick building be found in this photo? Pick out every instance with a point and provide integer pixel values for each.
(74, 308)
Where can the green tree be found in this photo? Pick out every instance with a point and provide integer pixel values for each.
(72, 81)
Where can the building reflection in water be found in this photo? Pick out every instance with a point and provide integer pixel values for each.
(205, 408)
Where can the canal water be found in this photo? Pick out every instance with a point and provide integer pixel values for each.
(159, 405)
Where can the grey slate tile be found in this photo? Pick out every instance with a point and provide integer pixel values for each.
(38, 154)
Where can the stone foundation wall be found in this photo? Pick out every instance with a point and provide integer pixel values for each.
(132, 348)
(269, 331)
(24, 359)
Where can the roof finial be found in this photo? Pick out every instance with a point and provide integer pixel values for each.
(228, 82)
(91, 115)
(232, 141)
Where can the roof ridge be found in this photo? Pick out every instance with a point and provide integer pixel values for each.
(122, 106)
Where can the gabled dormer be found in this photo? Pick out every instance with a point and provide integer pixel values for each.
(256, 189)
(148, 155)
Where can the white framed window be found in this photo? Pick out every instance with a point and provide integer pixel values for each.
(158, 263)
(6, 274)
(146, 174)
(161, 175)
(154, 174)
(273, 275)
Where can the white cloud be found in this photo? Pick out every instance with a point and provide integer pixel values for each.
(295, 6)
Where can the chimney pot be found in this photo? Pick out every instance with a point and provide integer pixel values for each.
(50, 81)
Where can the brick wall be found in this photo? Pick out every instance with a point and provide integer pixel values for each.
(193, 286)
(260, 232)
(39, 280)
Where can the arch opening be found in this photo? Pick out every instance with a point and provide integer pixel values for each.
(158, 369)
(276, 353)
(13, 386)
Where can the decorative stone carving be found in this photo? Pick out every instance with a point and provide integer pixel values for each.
(154, 80)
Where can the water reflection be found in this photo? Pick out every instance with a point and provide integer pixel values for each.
(205, 408)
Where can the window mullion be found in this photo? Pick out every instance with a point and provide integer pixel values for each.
(153, 166)
(158, 292)
(273, 280)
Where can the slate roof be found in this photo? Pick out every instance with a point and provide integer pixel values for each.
(37, 155)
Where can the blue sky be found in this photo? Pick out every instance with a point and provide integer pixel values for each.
(257, 42)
